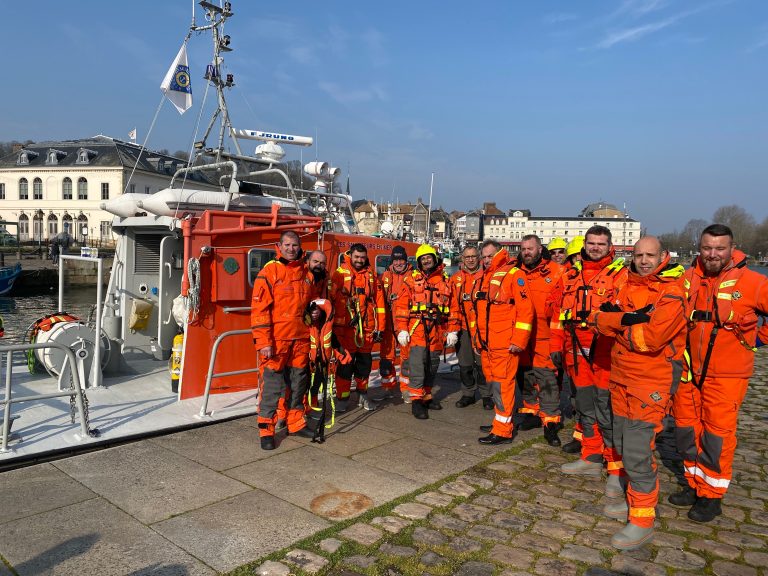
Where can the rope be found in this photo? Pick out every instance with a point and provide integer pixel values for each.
(193, 293)
(144, 144)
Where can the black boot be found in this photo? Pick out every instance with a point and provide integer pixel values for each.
(434, 405)
(686, 497)
(572, 447)
(419, 410)
(465, 401)
(488, 403)
(550, 434)
(705, 509)
(267, 442)
(530, 421)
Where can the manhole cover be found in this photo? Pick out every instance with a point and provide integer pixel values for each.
(340, 504)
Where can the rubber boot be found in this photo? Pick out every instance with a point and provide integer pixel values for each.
(614, 487)
(419, 409)
(705, 509)
(488, 403)
(530, 421)
(267, 442)
(582, 468)
(406, 397)
(465, 401)
(631, 537)
(550, 434)
(341, 405)
(617, 510)
(572, 447)
(434, 405)
(364, 402)
(685, 497)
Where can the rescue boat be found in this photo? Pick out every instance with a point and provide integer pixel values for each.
(169, 345)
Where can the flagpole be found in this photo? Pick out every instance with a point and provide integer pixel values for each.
(429, 209)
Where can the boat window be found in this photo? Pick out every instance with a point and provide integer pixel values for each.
(384, 260)
(257, 259)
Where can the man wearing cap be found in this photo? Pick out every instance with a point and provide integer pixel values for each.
(556, 248)
(391, 282)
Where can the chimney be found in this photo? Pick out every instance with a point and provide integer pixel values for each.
(17, 147)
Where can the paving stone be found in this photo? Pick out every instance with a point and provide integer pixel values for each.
(330, 545)
(754, 529)
(513, 482)
(399, 551)
(475, 569)
(464, 545)
(391, 524)
(504, 467)
(447, 522)
(485, 532)
(510, 521)
(516, 557)
(679, 559)
(597, 571)
(606, 526)
(759, 518)
(491, 501)
(412, 510)
(428, 537)
(457, 489)
(743, 502)
(577, 495)
(590, 509)
(552, 529)
(361, 533)
(470, 512)
(535, 510)
(272, 568)
(548, 489)
(740, 540)
(714, 547)
(478, 481)
(360, 561)
(723, 568)
(667, 540)
(665, 511)
(575, 519)
(536, 543)
(581, 554)
(643, 553)
(435, 499)
(734, 513)
(594, 539)
(514, 494)
(431, 558)
(549, 566)
(553, 502)
(688, 526)
(627, 566)
(723, 523)
(308, 561)
(759, 559)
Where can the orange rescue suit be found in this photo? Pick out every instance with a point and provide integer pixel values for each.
(463, 283)
(391, 284)
(358, 304)
(541, 281)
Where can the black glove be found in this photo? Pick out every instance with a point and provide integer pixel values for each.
(610, 307)
(582, 315)
(377, 336)
(637, 317)
(557, 359)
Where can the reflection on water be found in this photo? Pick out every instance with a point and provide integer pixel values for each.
(20, 311)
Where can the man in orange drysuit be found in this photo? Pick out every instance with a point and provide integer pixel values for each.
(586, 355)
(541, 392)
(464, 282)
(646, 320)
(391, 282)
(723, 302)
(505, 315)
(359, 317)
(281, 292)
(426, 320)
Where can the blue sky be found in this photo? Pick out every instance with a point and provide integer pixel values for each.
(546, 105)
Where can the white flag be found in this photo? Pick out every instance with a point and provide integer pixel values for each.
(176, 85)
(132, 134)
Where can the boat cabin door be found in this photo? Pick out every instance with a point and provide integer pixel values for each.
(169, 287)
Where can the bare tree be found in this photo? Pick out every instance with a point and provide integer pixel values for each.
(741, 222)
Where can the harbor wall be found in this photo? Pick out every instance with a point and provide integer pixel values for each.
(40, 274)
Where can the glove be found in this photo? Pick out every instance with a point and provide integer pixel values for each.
(451, 338)
(582, 315)
(610, 307)
(637, 317)
(557, 359)
(403, 338)
(377, 336)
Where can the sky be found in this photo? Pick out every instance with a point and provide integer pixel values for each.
(659, 106)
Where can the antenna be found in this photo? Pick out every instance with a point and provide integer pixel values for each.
(429, 208)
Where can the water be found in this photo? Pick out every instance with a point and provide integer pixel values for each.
(19, 312)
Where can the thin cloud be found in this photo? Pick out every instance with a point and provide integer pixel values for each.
(559, 18)
(374, 43)
(348, 96)
(761, 42)
(634, 34)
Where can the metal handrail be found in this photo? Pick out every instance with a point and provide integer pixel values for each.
(77, 392)
(210, 376)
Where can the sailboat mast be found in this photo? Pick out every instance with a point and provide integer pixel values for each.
(429, 208)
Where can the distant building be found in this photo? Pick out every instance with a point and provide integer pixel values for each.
(367, 217)
(51, 187)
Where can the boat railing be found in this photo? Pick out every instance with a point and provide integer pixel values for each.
(74, 392)
(210, 375)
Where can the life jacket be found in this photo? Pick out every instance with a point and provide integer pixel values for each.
(464, 284)
(721, 312)
(355, 295)
(430, 295)
(588, 286)
(392, 281)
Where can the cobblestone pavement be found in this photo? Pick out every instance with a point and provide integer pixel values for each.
(517, 514)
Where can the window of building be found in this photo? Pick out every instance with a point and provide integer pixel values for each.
(53, 159)
(82, 189)
(146, 189)
(2, 191)
(105, 190)
(37, 189)
(66, 223)
(132, 189)
(23, 227)
(23, 189)
(105, 230)
(37, 227)
(66, 189)
(84, 156)
(53, 225)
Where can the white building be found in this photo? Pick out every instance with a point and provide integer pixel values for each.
(52, 187)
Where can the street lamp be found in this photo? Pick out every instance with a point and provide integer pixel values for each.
(39, 221)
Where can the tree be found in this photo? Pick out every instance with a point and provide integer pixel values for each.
(740, 222)
(183, 154)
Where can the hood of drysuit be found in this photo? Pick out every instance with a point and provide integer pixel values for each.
(501, 258)
(665, 272)
(737, 257)
(346, 259)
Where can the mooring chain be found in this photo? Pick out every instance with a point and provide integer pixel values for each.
(73, 408)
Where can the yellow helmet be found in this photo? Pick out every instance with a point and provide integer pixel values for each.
(574, 246)
(557, 244)
(425, 249)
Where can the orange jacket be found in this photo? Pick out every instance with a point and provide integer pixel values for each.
(391, 284)
(463, 283)
(281, 292)
(739, 295)
(324, 349)
(426, 304)
(585, 288)
(352, 291)
(503, 308)
(541, 280)
(648, 357)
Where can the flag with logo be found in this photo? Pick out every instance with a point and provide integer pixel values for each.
(176, 85)
(132, 135)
